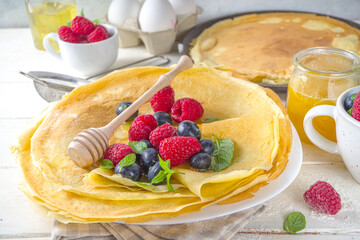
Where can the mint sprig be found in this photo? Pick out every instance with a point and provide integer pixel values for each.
(294, 222)
(125, 162)
(222, 155)
(128, 160)
(82, 13)
(210, 120)
(138, 147)
(68, 23)
(165, 174)
(107, 164)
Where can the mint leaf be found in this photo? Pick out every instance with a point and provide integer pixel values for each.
(164, 164)
(96, 22)
(144, 183)
(128, 160)
(294, 222)
(82, 13)
(68, 23)
(165, 173)
(353, 96)
(170, 188)
(159, 178)
(107, 164)
(209, 120)
(349, 111)
(223, 154)
(138, 147)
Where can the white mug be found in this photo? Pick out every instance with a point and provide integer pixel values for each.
(347, 132)
(86, 58)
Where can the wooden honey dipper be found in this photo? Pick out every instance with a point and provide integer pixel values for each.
(90, 144)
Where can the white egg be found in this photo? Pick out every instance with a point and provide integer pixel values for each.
(182, 7)
(156, 16)
(121, 10)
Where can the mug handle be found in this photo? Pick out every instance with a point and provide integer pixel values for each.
(313, 135)
(48, 46)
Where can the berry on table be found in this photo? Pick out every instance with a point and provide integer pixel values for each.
(188, 129)
(163, 100)
(186, 109)
(141, 127)
(178, 149)
(208, 146)
(200, 161)
(162, 118)
(322, 197)
(160, 133)
(82, 26)
(124, 105)
(148, 158)
(117, 151)
(67, 35)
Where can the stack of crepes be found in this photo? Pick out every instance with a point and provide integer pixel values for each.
(253, 117)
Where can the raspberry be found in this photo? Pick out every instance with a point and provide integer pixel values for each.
(322, 197)
(141, 127)
(160, 133)
(356, 108)
(117, 151)
(186, 109)
(82, 26)
(178, 149)
(98, 35)
(163, 100)
(67, 35)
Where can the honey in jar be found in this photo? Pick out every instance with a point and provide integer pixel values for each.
(320, 75)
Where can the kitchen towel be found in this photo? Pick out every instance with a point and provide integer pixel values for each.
(218, 228)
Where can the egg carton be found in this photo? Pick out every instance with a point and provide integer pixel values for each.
(130, 34)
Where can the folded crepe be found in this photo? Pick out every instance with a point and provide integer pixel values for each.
(260, 47)
(252, 116)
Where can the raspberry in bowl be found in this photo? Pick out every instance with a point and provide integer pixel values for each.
(88, 48)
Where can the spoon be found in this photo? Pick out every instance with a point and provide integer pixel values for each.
(90, 144)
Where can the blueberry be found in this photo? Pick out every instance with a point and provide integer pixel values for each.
(348, 103)
(148, 143)
(200, 162)
(189, 129)
(162, 118)
(153, 171)
(208, 146)
(122, 106)
(148, 158)
(132, 172)
(138, 158)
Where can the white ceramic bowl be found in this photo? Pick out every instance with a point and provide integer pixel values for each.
(347, 132)
(86, 58)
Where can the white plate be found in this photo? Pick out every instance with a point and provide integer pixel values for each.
(265, 193)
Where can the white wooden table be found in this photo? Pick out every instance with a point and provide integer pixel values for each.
(20, 219)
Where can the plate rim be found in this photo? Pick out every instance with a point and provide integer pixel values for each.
(292, 169)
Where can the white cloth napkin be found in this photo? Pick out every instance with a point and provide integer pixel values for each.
(218, 228)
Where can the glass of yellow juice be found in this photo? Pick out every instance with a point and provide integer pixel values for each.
(47, 16)
(320, 75)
